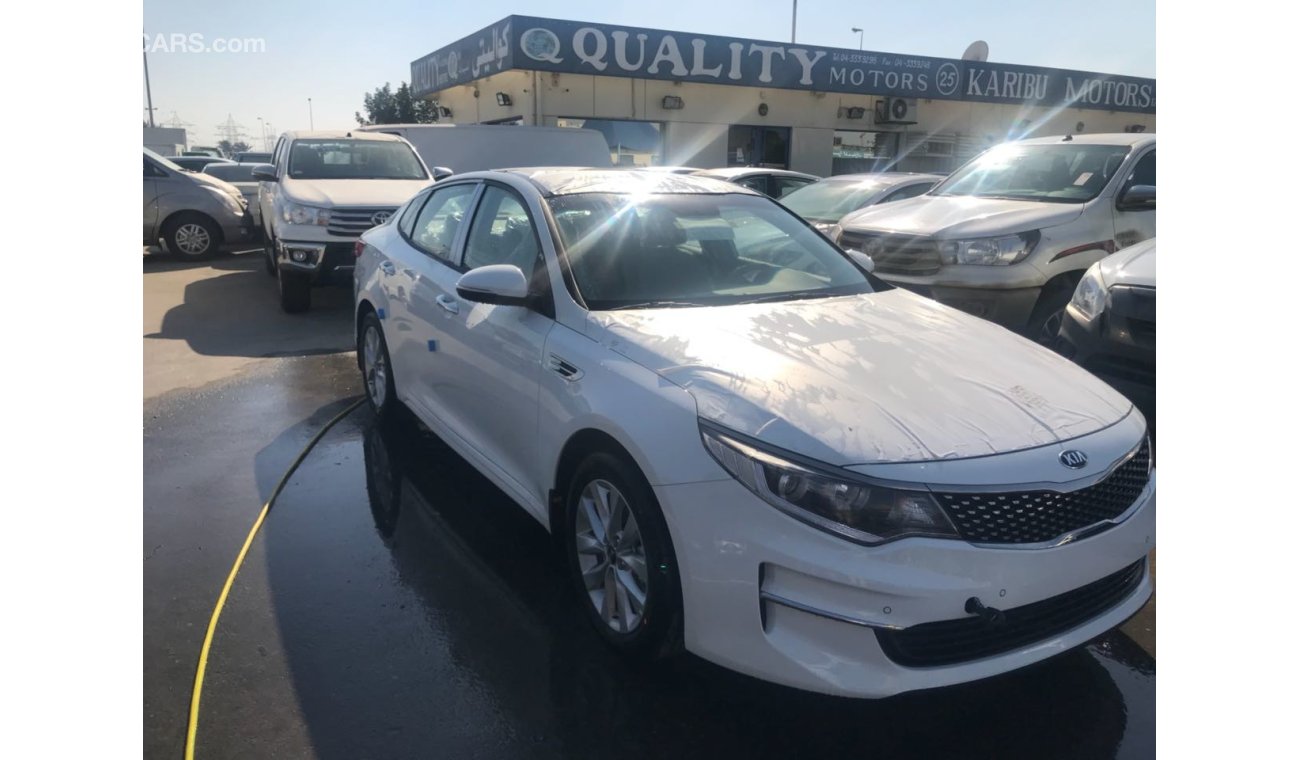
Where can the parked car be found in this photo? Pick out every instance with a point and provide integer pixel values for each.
(193, 214)
(793, 470)
(476, 147)
(669, 169)
(824, 203)
(252, 158)
(199, 150)
(1008, 236)
(323, 190)
(1109, 326)
(241, 176)
(776, 183)
(196, 163)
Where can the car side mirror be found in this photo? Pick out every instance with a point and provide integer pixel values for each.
(265, 173)
(441, 172)
(499, 284)
(861, 259)
(1138, 198)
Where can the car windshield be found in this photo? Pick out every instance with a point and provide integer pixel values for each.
(231, 172)
(163, 161)
(829, 200)
(353, 159)
(1058, 173)
(665, 250)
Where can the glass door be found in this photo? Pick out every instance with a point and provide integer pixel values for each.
(758, 146)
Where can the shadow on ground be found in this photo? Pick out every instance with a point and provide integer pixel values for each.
(237, 313)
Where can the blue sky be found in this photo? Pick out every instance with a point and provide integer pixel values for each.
(334, 52)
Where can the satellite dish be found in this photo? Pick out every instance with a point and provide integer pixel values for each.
(977, 51)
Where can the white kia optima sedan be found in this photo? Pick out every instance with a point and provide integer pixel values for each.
(746, 444)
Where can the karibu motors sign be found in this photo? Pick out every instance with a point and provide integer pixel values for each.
(571, 47)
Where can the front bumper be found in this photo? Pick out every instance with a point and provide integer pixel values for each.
(323, 263)
(1009, 308)
(769, 596)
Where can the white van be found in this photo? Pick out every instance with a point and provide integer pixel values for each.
(480, 147)
(1008, 236)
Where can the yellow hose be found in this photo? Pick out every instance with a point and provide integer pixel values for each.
(193, 728)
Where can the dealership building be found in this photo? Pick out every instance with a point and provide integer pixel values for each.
(676, 98)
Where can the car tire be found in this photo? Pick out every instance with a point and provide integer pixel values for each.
(1045, 321)
(191, 236)
(376, 368)
(295, 292)
(268, 254)
(603, 566)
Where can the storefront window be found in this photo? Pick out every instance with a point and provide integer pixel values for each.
(631, 143)
(854, 152)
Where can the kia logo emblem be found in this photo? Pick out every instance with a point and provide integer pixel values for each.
(381, 216)
(1073, 459)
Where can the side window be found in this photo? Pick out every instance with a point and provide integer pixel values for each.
(502, 233)
(783, 186)
(407, 221)
(152, 171)
(1145, 171)
(438, 222)
(905, 192)
(757, 184)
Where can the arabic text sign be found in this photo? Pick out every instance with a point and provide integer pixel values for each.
(600, 49)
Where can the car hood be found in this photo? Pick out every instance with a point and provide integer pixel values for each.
(960, 216)
(1135, 265)
(211, 181)
(331, 193)
(883, 377)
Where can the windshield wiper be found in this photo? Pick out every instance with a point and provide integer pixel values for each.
(798, 295)
(651, 305)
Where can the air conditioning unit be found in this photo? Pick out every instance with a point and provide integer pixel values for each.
(896, 111)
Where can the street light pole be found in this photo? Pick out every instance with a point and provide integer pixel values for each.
(148, 92)
(310, 116)
(794, 18)
(859, 31)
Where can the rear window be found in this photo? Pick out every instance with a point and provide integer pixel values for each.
(231, 172)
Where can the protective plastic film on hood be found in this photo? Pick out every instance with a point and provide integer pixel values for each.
(885, 377)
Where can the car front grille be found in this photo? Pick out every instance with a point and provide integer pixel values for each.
(351, 222)
(1031, 517)
(896, 254)
(950, 642)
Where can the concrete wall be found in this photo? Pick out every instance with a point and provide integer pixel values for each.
(696, 135)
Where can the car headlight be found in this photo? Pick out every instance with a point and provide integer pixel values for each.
(838, 503)
(992, 251)
(294, 213)
(1090, 295)
(227, 199)
(832, 231)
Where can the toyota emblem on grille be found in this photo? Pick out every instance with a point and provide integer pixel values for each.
(1074, 459)
(379, 217)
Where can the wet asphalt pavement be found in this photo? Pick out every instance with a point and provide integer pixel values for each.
(398, 605)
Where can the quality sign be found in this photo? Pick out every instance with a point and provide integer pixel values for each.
(571, 47)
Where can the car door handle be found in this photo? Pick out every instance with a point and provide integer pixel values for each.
(388, 268)
(448, 304)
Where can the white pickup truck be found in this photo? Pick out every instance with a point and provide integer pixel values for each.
(321, 191)
(1008, 236)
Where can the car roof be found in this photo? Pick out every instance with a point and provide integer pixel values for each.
(1113, 138)
(569, 180)
(884, 178)
(733, 172)
(341, 134)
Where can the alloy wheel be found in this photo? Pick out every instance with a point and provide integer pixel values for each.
(611, 556)
(192, 239)
(375, 367)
